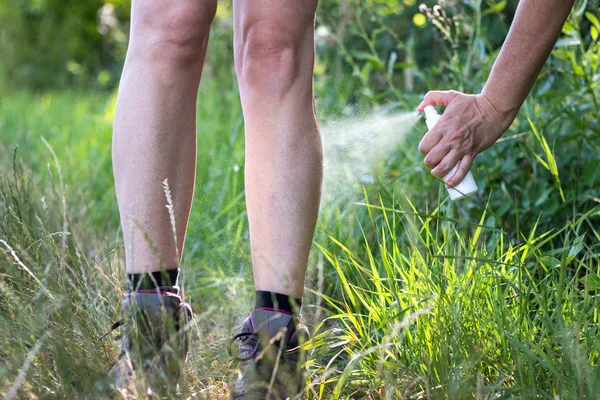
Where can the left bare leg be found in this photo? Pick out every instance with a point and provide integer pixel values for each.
(274, 57)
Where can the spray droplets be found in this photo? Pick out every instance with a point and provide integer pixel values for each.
(353, 149)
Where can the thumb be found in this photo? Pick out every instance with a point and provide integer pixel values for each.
(437, 98)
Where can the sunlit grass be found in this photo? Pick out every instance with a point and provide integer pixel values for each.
(441, 314)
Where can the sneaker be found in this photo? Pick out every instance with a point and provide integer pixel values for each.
(154, 342)
(270, 357)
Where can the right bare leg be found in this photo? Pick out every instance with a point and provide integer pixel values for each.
(155, 139)
(155, 127)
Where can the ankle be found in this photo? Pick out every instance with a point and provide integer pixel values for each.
(156, 281)
(272, 301)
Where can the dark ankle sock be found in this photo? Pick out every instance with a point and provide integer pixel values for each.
(277, 301)
(153, 280)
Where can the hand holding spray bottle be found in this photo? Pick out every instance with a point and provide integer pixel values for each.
(467, 186)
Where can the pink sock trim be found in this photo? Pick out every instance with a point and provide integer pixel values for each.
(291, 334)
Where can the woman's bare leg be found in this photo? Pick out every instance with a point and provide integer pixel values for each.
(155, 127)
(274, 56)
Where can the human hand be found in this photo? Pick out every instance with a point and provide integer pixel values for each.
(469, 125)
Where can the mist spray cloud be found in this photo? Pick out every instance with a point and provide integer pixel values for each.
(353, 148)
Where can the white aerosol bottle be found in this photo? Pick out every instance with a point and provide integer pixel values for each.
(467, 186)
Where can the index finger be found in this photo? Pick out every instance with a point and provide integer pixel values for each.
(437, 98)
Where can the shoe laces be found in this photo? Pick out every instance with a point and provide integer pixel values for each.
(247, 338)
(114, 326)
(251, 339)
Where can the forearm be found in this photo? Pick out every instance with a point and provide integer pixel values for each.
(530, 40)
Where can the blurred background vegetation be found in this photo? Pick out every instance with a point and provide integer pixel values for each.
(58, 44)
(508, 279)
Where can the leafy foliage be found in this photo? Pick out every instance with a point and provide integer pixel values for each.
(51, 43)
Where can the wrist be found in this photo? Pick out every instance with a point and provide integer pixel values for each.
(497, 120)
(504, 107)
(502, 112)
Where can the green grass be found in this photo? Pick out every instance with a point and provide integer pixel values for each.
(422, 301)
(440, 314)
(412, 296)
(58, 214)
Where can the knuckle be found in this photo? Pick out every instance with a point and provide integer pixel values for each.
(447, 125)
(453, 93)
(470, 143)
(456, 136)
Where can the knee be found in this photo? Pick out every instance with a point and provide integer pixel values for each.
(271, 55)
(174, 34)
